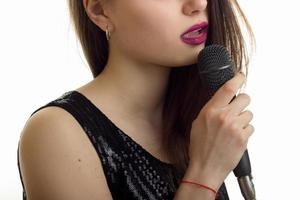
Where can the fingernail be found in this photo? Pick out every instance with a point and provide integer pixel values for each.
(242, 73)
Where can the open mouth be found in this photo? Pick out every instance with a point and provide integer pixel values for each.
(195, 33)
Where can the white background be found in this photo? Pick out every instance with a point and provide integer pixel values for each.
(39, 60)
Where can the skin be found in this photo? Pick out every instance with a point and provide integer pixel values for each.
(145, 45)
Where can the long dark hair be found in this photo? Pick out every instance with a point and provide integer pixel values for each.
(184, 84)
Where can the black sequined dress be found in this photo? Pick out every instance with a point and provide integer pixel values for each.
(130, 170)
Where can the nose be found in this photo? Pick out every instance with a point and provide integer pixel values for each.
(194, 7)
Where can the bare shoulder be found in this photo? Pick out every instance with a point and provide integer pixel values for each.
(57, 160)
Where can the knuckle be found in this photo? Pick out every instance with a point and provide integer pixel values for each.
(250, 115)
(223, 117)
(246, 97)
(241, 141)
(252, 129)
(248, 131)
(209, 114)
(234, 128)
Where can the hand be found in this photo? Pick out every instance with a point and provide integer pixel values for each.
(220, 133)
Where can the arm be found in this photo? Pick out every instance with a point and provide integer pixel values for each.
(57, 161)
(192, 192)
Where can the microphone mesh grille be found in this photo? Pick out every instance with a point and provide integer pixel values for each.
(213, 57)
(211, 63)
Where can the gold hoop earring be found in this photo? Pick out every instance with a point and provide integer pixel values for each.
(107, 33)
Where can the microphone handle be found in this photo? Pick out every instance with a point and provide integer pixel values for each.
(243, 173)
(244, 166)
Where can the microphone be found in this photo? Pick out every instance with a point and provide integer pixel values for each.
(215, 68)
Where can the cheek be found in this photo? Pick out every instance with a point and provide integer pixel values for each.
(137, 22)
(138, 31)
(153, 37)
(152, 42)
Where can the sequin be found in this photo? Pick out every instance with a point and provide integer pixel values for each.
(131, 171)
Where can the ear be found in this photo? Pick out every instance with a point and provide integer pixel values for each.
(97, 13)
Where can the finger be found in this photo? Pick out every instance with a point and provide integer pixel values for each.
(245, 118)
(239, 104)
(248, 130)
(224, 95)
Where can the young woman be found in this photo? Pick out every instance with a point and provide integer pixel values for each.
(137, 130)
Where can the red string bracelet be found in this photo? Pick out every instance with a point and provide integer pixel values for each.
(200, 185)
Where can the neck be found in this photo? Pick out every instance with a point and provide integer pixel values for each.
(138, 90)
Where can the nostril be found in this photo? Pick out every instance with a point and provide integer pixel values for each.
(195, 12)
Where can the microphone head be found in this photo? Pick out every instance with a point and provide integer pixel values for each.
(215, 67)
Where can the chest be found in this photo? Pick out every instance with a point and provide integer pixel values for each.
(141, 132)
(148, 137)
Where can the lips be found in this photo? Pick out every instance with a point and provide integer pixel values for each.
(196, 34)
(199, 27)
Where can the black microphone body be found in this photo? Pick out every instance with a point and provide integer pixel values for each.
(215, 68)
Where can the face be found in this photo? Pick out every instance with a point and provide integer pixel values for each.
(149, 30)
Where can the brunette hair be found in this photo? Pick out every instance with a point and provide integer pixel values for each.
(183, 97)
